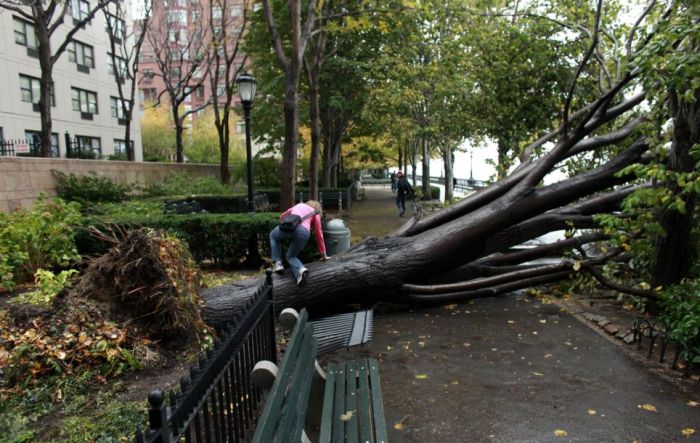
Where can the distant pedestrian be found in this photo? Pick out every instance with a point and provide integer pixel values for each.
(295, 225)
(404, 189)
(393, 181)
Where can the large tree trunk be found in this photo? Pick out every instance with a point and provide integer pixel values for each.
(490, 221)
(673, 251)
(315, 116)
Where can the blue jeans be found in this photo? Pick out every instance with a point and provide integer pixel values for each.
(401, 201)
(298, 238)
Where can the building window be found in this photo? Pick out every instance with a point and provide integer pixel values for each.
(88, 147)
(79, 9)
(25, 34)
(120, 147)
(116, 106)
(118, 26)
(121, 63)
(177, 17)
(84, 101)
(150, 94)
(199, 92)
(216, 12)
(236, 11)
(34, 140)
(30, 89)
(240, 127)
(81, 54)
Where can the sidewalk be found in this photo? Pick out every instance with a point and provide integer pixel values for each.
(511, 369)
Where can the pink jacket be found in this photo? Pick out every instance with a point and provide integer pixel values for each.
(302, 209)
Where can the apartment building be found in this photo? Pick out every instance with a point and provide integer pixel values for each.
(86, 107)
(179, 30)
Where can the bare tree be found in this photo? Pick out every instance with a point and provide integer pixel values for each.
(181, 48)
(227, 28)
(48, 20)
(125, 48)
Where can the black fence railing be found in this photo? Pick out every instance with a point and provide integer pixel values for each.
(20, 148)
(216, 401)
(648, 332)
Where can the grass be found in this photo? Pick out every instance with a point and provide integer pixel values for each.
(70, 409)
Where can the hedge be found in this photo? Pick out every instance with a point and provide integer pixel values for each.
(224, 240)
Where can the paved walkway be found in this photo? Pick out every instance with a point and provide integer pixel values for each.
(511, 369)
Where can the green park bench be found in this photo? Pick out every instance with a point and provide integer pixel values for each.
(305, 404)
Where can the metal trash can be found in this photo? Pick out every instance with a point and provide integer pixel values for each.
(337, 237)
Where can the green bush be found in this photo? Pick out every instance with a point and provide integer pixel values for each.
(681, 315)
(90, 188)
(42, 238)
(222, 239)
(183, 184)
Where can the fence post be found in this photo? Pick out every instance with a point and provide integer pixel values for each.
(69, 150)
(340, 203)
(158, 416)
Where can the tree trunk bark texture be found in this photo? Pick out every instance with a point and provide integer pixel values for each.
(488, 222)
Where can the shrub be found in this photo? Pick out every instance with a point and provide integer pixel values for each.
(267, 172)
(41, 238)
(681, 315)
(221, 238)
(183, 184)
(90, 188)
(48, 286)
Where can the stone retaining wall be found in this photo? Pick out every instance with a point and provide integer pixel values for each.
(23, 178)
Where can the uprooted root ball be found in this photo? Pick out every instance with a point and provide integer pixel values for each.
(149, 280)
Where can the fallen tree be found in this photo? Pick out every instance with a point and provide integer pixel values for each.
(466, 250)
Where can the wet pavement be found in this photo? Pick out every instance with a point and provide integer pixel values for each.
(511, 369)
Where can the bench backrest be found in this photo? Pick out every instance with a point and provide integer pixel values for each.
(285, 408)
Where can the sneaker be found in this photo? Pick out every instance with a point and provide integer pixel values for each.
(279, 267)
(301, 278)
(401, 214)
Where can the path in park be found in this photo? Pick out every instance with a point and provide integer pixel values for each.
(511, 369)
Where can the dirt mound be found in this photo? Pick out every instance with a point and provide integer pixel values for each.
(148, 280)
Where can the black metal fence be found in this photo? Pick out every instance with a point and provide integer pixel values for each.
(216, 401)
(31, 147)
(12, 148)
(653, 334)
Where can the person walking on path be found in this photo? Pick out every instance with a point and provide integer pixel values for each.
(393, 181)
(403, 188)
(308, 213)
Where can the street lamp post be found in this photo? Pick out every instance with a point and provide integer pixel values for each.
(246, 91)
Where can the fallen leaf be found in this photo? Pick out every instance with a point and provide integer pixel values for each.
(399, 426)
(466, 345)
(455, 382)
(422, 376)
(647, 407)
(560, 433)
(693, 404)
(347, 416)
(547, 355)
(687, 432)
(577, 265)
(591, 412)
(511, 321)
(421, 343)
(543, 321)
(538, 374)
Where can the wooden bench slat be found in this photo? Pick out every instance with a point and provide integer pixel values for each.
(351, 401)
(294, 409)
(339, 405)
(270, 416)
(363, 410)
(377, 407)
(327, 415)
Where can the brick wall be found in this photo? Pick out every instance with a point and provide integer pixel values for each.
(23, 178)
